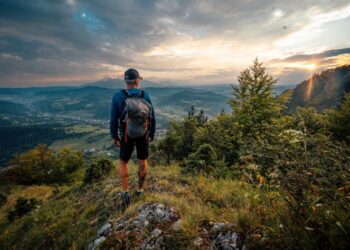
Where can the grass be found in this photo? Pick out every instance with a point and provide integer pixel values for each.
(68, 216)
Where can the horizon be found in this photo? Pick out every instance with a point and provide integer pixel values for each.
(71, 42)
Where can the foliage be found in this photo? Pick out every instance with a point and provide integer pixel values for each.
(339, 120)
(42, 165)
(16, 139)
(3, 199)
(304, 156)
(179, 139)
(222, 134)
(22, 207)
(97, 170)
(171, 142)
(254, 106)
(200, 117)
(203, 160)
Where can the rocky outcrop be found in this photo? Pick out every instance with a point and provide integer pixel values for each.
(219, 236)
(154, 226)
(148, 218)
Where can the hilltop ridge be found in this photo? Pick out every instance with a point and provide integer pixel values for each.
(322, 90)
(186, 212)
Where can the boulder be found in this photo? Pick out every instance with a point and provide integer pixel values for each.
(149, 216)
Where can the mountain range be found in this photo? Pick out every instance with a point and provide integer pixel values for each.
(79, 116)
(92, 100)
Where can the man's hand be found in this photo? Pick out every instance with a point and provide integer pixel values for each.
(150, 139)
(116, 142)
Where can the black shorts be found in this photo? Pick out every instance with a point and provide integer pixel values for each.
(127, 147)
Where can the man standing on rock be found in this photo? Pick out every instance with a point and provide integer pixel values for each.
(132, 123)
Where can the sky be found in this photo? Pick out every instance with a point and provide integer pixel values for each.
(67, 42)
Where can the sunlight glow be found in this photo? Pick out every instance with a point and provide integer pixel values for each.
(310, 67)
(310, 86)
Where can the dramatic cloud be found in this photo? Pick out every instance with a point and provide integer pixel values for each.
(199, 41)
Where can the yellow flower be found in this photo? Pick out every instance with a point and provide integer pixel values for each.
(261, 179)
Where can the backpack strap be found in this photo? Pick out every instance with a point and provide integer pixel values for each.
(126, 93)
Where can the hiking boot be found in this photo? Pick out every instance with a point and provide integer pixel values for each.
(126, 199)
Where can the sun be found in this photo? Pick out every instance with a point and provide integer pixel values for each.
(311, 66)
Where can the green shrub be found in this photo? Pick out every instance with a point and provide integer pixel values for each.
(22, 207)
(97, 170)
(42, 165)
(222, 134)
(3, 199)
(338, 120)
(203, 160)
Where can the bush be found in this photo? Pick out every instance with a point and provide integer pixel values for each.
(221, 133)
(338, 120)
(3, 199)
(42, 165)
(97, 170)
(22, 207)
(203, 160)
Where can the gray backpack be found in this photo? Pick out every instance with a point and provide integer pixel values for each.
(137, 115)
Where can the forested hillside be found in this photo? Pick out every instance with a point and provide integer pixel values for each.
(323, 90)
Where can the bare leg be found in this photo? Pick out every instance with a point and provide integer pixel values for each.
(142, 172)
(123, 174)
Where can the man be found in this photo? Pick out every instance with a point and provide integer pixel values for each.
(120, 128)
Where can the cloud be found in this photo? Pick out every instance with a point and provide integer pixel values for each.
(312, 57)
(47, 41)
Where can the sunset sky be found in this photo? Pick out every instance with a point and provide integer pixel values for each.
(53, 42)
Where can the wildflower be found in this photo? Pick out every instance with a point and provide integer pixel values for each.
(261, 179)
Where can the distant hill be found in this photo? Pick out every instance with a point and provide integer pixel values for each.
(94, 102)
(9, 108)
(208, 101)
(116, 83)
(321, 91)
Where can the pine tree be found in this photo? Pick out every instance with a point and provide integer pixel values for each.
(201, 117)
(192, 111)
(254, 105)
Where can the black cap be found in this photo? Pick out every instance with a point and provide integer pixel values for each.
(131, 75)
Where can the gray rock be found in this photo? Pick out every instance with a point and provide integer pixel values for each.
(217, 227)
(198, 242)
(156, 233)
(105, 230)
(96, 243)
(223, 236)
(154, 241)
(155, 213)
(148, 215)
(177, 225)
